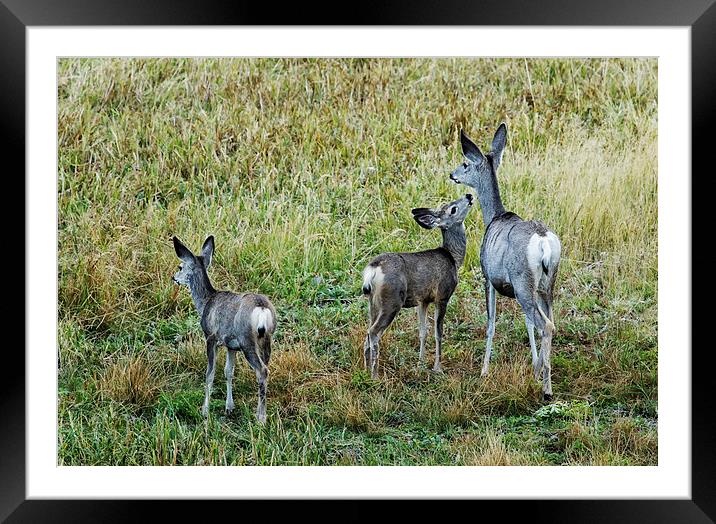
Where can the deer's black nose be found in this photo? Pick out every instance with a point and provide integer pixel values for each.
(469, 197)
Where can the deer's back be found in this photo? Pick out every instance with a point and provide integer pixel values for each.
(423, 276)
(504, 254)
(228, 314)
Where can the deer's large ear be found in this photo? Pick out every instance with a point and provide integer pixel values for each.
(498, 144)
(425, 217)
(207, 250)
(470, 150)
(182, 251)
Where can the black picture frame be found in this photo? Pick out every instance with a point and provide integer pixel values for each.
(699, 15)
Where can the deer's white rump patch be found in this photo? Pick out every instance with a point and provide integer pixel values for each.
(541, 251)
(536, 253)
(261, 319)
(372, 278)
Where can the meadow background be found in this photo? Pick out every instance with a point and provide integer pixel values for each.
(304, 170)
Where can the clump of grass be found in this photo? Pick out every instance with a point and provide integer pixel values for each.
(488, 449)
(132, 380)
(509, 388)
(494, 452)
(348, 410)
(627, 438)
(182, 404)
(580, 441)
(291, 365)
(189, 354)
(458, 412)
(619, 442)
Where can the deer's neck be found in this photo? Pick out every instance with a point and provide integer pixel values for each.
(454, 241)
(201, 291)
(488, 193)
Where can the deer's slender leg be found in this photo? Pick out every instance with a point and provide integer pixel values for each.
(366, 352)
(375, 332)
(252, 356)
(211, 357)
(545, 355)
(532, 307)
(423, 328)
(366, 344)
(265, 343)
(544, 304)
(533, 346)
(440, 309)
(491, 299)
(229, 374)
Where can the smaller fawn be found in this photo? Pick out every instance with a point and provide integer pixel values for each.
(396, 280)
(238, 321)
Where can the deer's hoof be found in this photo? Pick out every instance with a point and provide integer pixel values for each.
(547, 397)
(437, 369)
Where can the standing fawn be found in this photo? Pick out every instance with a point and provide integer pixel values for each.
(519, 258)
(238, 321)
(396, 280)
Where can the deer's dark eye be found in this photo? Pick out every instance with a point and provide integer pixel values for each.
(453, 210)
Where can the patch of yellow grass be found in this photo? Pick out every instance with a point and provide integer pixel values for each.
(488, 449)
(190, 354)
(294, 364)
(509, 385)
(625, 443)
(347, 409)
(132, 380)
(627, 438)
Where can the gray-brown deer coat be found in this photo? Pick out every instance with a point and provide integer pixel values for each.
(238, 321)
(519, 258)
(393, 281)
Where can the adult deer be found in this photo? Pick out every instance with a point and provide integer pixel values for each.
(519, 258)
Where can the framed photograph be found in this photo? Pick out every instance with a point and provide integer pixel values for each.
(279, 201)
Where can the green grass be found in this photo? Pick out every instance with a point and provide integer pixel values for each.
(304, 170)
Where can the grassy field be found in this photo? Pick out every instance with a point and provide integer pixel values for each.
(304, 170)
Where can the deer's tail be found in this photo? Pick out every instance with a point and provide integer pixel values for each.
(546, 254)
